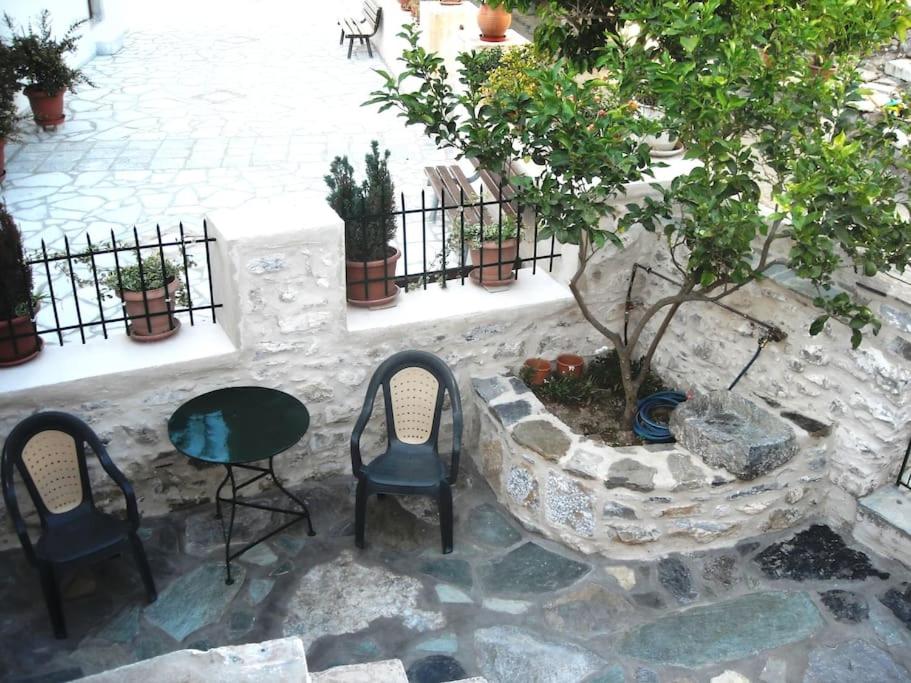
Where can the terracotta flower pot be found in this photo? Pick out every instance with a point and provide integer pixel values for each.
(570, 364)
(539, 370)
(149, 327)
(18, 341)
(2, 158)
(370, 283)
(47, 109)
(494, 22)
(501, 258)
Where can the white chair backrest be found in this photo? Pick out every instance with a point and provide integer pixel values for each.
(413, 394)
(51, 460)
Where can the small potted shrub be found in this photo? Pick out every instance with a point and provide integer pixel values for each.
(149, 295)
(19, 341)
(8, 89)
(492, 250)
(367, 210)
(41, 67)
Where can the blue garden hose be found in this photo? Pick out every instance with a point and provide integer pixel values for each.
(649, 429)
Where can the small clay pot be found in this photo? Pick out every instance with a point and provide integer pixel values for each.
(494, 22)
(501, 259)
(141, 310)
(570, 364)
(19, 342)
(539, 370)
(370, 283)
(47, 109)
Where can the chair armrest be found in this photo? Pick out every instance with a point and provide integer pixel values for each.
(457, 423)
(357, 463)
(114, 473)
(12, 509)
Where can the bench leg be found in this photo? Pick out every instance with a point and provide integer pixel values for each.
(369, 51)
(350, 46)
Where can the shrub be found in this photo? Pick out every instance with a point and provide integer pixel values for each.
(40, 58)
(475, 233)
(15, 274)
(477, 65)
(367, 209)
(513, 74)
(9, 86)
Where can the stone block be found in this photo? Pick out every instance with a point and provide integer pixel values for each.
(729, 431)
(543, 437)
(900, 68)
(569, 504)
(631, 474)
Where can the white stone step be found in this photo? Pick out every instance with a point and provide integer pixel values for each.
(272, 661)
(386, 671)
(899, 68)
(883, 522)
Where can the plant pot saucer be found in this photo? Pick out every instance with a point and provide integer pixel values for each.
(24, 359)
(143, 338)
(385, 302)
(676, 150)
(497, 285)
(492, 39)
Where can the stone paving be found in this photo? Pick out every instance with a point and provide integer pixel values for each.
(208, 106)
(802, 605)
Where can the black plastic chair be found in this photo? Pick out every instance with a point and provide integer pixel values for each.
(48, 451)
(414, 385)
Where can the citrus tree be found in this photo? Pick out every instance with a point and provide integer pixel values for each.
(759, 91)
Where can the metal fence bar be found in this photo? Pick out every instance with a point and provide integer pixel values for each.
(69, 263)
(904, 476)
(104, 327)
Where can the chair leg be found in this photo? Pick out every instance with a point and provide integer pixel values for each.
(142, 563)
(360, 513)
(51, 591)
(350, 46)
(369, 51)
(444, 501)
(341, 41)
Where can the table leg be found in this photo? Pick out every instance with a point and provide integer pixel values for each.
(218, 492)
(227, 534)
(290, 495)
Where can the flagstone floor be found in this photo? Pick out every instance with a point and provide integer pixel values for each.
(208, 106)
(802, 605)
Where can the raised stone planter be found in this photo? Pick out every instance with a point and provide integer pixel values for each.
(629, 502)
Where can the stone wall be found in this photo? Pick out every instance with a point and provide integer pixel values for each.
(630, 502)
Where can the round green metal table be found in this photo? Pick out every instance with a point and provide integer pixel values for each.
(236, 427)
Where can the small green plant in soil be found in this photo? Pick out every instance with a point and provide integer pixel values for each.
(593, 404)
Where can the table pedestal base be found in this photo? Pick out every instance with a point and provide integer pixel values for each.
(228, 530)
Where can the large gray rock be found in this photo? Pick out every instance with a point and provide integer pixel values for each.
(508, 653)
(853, 662)
(273, 661)
(343, 596)
(729, 431)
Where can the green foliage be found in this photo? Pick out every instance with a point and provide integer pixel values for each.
(367, 209)
(40, 58)
(513, 72)
(567, 390)
(9, 86)
(477, 65)
(605, 373)
(474, 234)
(15, 273)
(153, 275)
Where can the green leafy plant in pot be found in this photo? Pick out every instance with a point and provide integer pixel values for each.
(492, 249)
(367, 210)
(150, 293)
(19, 341)
(41, 66)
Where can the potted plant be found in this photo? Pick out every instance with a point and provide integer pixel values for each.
(535, 371)
(149, 289)
(8, 113)
(494, 22)
(41, 67)
(368, 212)
(492, 249)
(19, 340)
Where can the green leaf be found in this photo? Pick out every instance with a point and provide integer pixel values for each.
(818, 325)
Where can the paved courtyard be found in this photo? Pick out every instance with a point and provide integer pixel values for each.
(208, 106)
(802, 605)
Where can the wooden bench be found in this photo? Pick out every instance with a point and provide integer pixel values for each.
(450, 185)
(363, 28)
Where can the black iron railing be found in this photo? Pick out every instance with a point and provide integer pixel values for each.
(79, 289)
(448, 240)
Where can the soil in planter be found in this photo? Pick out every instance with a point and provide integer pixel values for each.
(592, 405)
